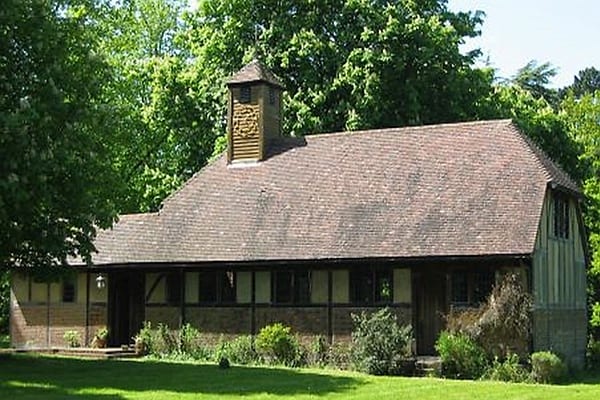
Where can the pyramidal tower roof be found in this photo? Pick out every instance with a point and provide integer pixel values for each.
(255, 71)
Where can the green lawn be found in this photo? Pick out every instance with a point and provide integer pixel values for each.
(26, 377)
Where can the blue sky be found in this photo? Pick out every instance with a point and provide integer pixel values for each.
(565, 33)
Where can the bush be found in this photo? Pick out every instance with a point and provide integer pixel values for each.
(72, 338)
(509, 370)
(318, 351)
(4, 301)
(189, 344)
(592, 354)
(276, 345)
(144, 340)
(238, 351)
(547, 367)
(502, 325)
(163, 341)
(462, 357)
(339, 355)
(380, 346)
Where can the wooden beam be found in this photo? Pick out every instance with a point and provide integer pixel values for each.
(87, 308)
(253, 303)
(330, 306)
(182, 298)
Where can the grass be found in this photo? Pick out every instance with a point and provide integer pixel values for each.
(36, 377)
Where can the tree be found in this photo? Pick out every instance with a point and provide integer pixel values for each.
(56, 183)
(582, 118)
(346, 64)
(164, 125)
(587, 81)
(535, 78)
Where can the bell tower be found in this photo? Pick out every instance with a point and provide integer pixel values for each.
(254, 113)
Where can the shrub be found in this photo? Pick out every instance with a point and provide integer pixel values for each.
(462, 357)
(592, 354)
(238, 351)
(189, 344)
(144, 340)
(318, 351)
(502, 325)
(276, 345)
(509, 370)
(547, 367)
(339, 355)
(379, 344)
(72, 338)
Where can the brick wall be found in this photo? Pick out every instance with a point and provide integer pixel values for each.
(217, 320)
(29, 322)
(563, 332)
(166, 315)
(306, 321)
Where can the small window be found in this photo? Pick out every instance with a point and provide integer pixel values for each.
(68, 290)
(561, 217)
(468, 288)
(208, 288)
(291, 287)
(217, 287)
(173, 288)
(371, 286)
(227, 284)
(245, 94)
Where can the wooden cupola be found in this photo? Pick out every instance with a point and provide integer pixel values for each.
(254, 113)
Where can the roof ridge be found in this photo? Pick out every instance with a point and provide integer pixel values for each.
(408, 128)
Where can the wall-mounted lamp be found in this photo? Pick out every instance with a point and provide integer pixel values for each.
(100, 281)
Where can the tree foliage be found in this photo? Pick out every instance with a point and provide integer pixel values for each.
(56, 181)
(534, 78)
(587, 81)
(348, 64)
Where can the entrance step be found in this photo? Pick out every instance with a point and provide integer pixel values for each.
(428, 366)
(85, 352)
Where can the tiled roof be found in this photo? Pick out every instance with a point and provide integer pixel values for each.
(464, 189)
(255, 71)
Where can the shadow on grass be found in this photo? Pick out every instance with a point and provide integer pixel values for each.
(25, 375)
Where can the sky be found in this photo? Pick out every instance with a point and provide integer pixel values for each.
(565, 33)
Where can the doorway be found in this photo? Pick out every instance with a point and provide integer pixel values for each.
(430, 293)
(125, 306)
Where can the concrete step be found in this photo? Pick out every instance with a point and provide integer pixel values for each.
(428, 366)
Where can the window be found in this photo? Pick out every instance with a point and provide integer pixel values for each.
(291, 287)
(371, 286)
(173, 288)
(561, 217)
(470, 288)
(217, 287)
(245, 94)
(68, 290)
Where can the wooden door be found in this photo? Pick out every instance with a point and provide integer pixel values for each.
(430, 290)
(125, 306)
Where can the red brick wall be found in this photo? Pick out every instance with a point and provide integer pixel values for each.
(304, 320)
(28, 325)
(163, 315)
(217, 320)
